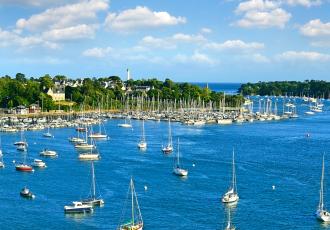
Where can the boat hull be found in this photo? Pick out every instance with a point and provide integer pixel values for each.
(24, 168)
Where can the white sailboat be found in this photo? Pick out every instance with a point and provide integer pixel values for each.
(135, 222)
(126, 125)
(142, 143)
(321, 213)
(22, 145)
(85, 145)
(169, 147)
(99, 134)
(48, 134)
(93, 199)
(92, 155)
(177, 169)
(231, 195)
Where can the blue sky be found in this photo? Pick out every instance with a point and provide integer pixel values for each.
(197, 41)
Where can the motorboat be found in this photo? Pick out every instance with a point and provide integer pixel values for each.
(37, 163)
(48, 153)
(78, 207)
(26, 193)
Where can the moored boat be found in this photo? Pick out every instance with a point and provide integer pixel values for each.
(26, 193)
(48, 153)
(37, 163)
(231, 196)
(177, 169)
(78, 207)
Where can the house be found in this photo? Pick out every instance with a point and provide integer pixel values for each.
(21, 109)
(34, 108)
(142, 88)
(57, 92)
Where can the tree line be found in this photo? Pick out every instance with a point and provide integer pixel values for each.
(21, 90)
(308, 88)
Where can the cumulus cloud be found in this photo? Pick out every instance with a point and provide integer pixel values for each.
(70, 33)
(305, 3)
(36, 3)
(8, 38)
(206, 30)
(196, 57)
(315, 28)
(303, 56)
(97, 52)
(64, 16)
(172, 41)
(140, 18)
(235, 45)
(261, 14)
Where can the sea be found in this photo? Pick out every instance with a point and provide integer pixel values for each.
(278, 166)
(228, 88)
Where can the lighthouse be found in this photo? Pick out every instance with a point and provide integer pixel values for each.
(128, 75)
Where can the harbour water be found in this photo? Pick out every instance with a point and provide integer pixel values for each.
(270, 153)
(228, 88)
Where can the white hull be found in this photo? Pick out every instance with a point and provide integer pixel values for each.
(225, 121)
(180, 172)
(48, 153)
(88, 156)
(125, 125)
(230, 198)
(84, 146)
(323, 215)
(142, 145)
(98, 136)
(39, 164)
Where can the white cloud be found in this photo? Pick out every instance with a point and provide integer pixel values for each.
(261, 14)
(152, 42)
(37, 3)
(70, 33)
(321, 43)
(256, 5)
(206, 30)
(64, 16)
(172, 41)
(140, 18)
(315, 28)
(303, 56)
(97, 52)
(305, 3)
(8, 38)
(202, 58)
(259, 58)
(197, 57)
(235, 45)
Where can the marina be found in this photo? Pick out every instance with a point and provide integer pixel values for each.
(281, 166)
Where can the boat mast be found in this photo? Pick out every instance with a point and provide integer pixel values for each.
(321, 190)
(93, 180)
(169, 132)
(234, 173)
(132, 192)
(143, 137)
(178, 155)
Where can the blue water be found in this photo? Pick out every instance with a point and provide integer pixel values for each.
(228, 88)
(267, 153)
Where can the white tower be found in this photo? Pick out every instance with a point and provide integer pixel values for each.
(128, 75)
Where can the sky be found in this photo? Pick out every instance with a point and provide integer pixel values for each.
(195, 41)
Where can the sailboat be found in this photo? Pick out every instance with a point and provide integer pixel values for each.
(142, 143)
(23, 166)
(126, 125)
(231, 195)
(98, 134)
(136, 222)
(177, 169)
(22, 144)
(85, 144)
(93, 200)
(169, 147)
(229, 226)
(48, 134)
(321, 213)
(90, 156)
